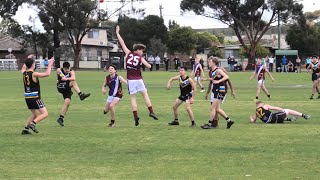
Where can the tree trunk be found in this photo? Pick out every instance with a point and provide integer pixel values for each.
(77, 55)
(251, 58)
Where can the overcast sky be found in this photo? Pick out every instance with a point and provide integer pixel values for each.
(171, 11)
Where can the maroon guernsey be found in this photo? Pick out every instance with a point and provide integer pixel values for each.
(133, 64)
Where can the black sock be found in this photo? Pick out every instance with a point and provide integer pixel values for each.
(61, 116)
(104, 112)
(79, 93)
(268, 95)
(312, 95)
(175, 119)
(303, 115)
(33, 122)
(227, 118)
(192, 122)
(112, 121)
(257, 97)
(26, 128)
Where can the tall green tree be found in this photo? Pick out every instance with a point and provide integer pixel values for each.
(205, 40)
(245, 17)
(8, 8)
(182, 40)
(261, 52)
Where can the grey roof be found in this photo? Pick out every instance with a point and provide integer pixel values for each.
(9, 42)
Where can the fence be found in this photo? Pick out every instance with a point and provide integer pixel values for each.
(8, 64)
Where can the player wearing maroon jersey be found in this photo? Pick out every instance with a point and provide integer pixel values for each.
(197, 71)
(133, 63)
(113, 81)
(260, 70)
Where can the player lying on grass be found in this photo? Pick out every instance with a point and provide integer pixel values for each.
(32, 93)
(187, 94)
(263, 112)
(113, 81)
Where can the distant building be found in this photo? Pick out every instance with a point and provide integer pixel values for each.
(17, 50)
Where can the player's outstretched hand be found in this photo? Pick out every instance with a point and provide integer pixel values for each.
(51, 61)
(117, 29)
(168, 86)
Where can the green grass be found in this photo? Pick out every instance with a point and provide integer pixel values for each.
(87, 149)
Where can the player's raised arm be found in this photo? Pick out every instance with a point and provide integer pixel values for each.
(24, 68)
(170, 81)
(123, 80)
(146, 64)
(266, 69)
(47, 72)
(121, 41)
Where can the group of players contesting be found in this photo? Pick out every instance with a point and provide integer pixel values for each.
(218, 86)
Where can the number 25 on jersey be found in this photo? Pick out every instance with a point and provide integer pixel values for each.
(133, 60)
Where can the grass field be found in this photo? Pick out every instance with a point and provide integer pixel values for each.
(87, 149)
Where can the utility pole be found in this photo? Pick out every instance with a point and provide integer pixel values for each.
(279, 31)
(160, 7)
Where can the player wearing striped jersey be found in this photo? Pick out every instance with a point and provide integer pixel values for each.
(198, 72)
(32, 93)
(264, 112)
(260, 70)
(66, 79)
(133, 63)
(215, 120)
(314, 69)
(113, 81)
(187, 94)
(218, 78)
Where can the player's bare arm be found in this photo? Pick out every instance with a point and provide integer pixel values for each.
(233, 92)
(209, 90)
(269, 107)
(253, 118)
(123, 80)
(254, 73)
(44, 74)
(266, 69)
(202, 72)
(146, 64)
(103, 88)
(194, 90)
(72, 78)
(225, 77)
(170, 81)
(121, 41)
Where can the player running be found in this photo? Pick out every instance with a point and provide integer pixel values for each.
(187, 94)
(315, 70)
(260, 70)
(133, 63)
(218, 78)
(263, 112)
(32, 93)
(197, 71)
(66, 79)
(113, 81)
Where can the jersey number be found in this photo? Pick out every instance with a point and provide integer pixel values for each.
(26, 80)
(259, 113)
(133, 60)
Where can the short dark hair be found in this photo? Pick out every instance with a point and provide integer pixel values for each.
(66, 65)
(183, 67)
(112, 65)
(314, 56)
(258, 102)
(28, 62)
(139, 47)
